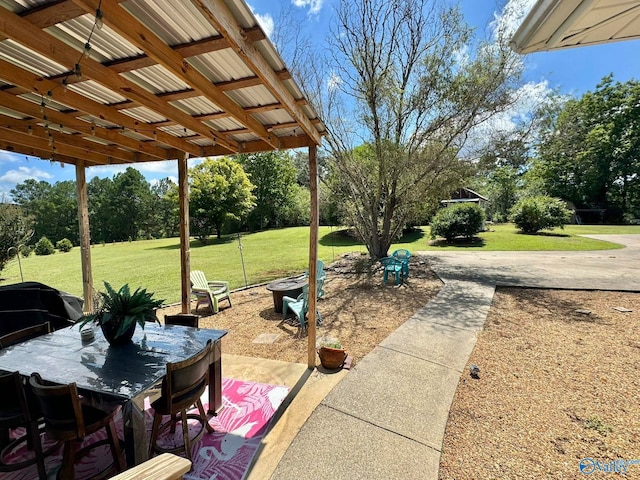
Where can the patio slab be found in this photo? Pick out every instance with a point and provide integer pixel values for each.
(336, 445)
(400, 393)
(444, 345)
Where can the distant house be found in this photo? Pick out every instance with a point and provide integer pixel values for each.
(465, 195)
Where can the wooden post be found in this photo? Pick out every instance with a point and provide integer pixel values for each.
(85, 237)
(313, 255)
(185, 251)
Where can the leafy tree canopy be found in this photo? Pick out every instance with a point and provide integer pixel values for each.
(400, 88)
(590, 151)
(220, 192)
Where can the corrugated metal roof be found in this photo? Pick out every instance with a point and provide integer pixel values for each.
(176, 23)
(558, 24)
(28, 59)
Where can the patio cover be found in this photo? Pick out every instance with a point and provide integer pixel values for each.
(98, 82)
(558, 24)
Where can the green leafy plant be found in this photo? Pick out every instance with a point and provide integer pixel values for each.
(123, 309)
(596, 423)
(44, 247)
(461, 220)
(539, 213)
(332, 344)
(64, 245)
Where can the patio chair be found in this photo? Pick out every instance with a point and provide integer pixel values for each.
(321, 275)
(25, 334)
(403, 256)
(182, 387)
(394, 266)
(17, 411)
(300, 307)
(208, 293)
(69, 420)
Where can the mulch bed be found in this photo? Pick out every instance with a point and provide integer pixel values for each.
(357, 309)
(556, 386)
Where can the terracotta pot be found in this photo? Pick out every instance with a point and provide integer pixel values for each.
(331, 358)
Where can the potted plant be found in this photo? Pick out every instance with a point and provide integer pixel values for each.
(331, 354)
(118, 312)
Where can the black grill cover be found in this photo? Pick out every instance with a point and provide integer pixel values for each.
(30, 303)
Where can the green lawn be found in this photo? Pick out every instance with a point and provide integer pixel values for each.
(155, 264)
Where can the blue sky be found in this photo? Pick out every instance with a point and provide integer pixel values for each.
(572, 71)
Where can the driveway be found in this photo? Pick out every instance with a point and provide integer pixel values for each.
(600, 270)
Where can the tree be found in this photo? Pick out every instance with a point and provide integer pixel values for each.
(398, 73)
(53, 207)
(165, 213)
(15, 229)
(132, 205)
(220, 192)
(589, 152)
(273, 175)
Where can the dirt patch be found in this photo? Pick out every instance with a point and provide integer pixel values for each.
(357, 309)
(556, 386)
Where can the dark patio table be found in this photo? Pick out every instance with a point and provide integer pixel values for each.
(289, 287)
(118, 375)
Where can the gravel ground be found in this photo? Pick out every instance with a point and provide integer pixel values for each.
(556, 386)
(357, 309)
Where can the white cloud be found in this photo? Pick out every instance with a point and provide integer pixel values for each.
(509, 20)
(314, 5)
(21, 174)
(333, 81)
(266, 22)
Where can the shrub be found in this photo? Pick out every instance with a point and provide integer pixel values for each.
(539, 213)
(64, 245)
(44, 247)
(25, 250)
(460, 220)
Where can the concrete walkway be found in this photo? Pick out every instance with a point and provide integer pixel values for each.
(386, 418)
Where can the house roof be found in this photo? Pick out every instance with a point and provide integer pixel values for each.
(558, 24)
(113, 81)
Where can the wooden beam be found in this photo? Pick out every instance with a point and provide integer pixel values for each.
(24, 32)
(133, 30)
(11, 146)
(191, 49)
(31, 127)
(42, 143)
(185, 248)
(52, 13)
(259, 146)
(27, 80)
(313, 257)
(85, 237)
(221, 17)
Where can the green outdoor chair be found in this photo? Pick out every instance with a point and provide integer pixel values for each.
(403, 256)
(300, 307)
(321, 275)
(394, 266)
(208, 293)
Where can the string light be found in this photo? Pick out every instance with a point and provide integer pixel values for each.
(99, 22)
(78, 71)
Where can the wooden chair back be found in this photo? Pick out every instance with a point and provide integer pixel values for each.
(184, 319)
(25, 334)
(186, 380)
(60, 407)
(14, 409)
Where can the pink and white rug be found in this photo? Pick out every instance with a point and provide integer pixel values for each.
(225, 454)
